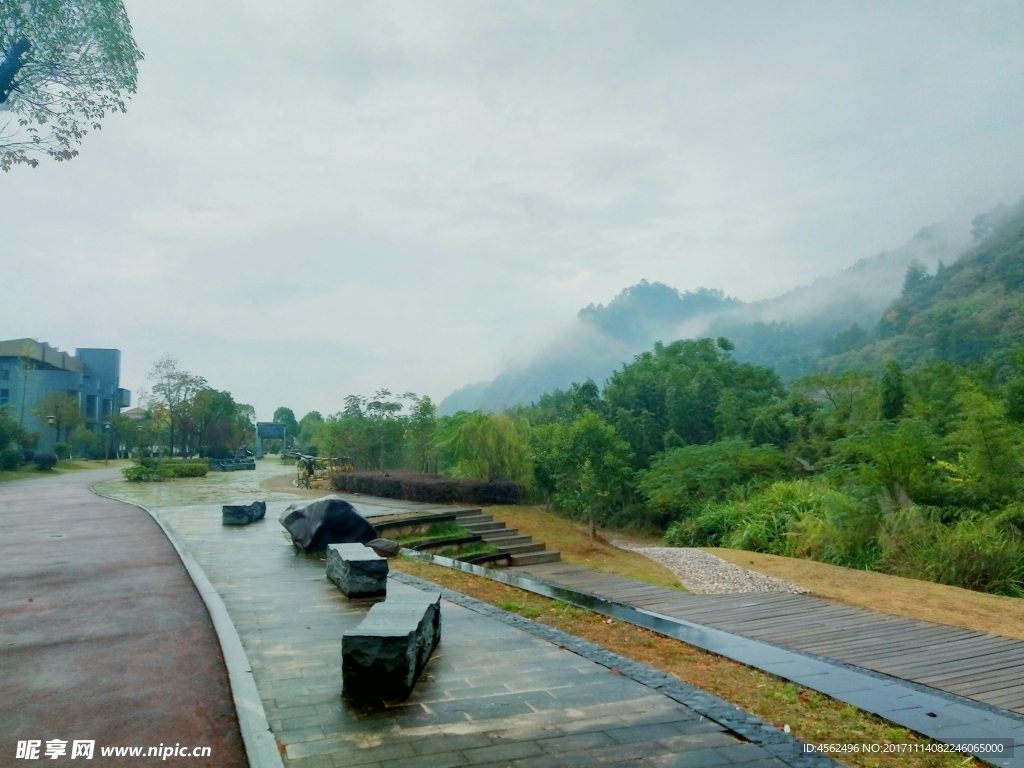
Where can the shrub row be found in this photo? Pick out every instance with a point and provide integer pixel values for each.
(415, 487)
(159, 463)
(150, 473)
(12, 458)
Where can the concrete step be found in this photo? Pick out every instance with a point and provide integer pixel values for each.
(536, 558)
(480, 528)
(509, 537)
(474, 519)
(522, 549)
(468, 512)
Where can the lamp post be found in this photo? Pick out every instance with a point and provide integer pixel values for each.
(51, 422)
(106, 456)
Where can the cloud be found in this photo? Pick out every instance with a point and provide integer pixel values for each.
(414, 194)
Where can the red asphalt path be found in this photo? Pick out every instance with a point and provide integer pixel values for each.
(103, 636)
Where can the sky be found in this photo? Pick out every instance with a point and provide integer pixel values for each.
(315, 198)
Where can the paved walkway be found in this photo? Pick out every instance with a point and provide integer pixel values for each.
(493, 695)
(103, 636)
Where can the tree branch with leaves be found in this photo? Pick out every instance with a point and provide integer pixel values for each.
(64, 64)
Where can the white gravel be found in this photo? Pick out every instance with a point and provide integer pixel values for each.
(704, 574)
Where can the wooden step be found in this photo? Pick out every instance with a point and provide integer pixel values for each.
(534, 558)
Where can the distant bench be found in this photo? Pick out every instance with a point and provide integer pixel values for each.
(383, 657)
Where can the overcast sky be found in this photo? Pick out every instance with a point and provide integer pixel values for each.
(312, 198)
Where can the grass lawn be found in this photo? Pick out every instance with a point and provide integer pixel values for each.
(810, 715)
(30, 471)
(905, 597)
(573, 541)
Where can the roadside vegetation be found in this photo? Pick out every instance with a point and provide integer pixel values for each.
(914, 473)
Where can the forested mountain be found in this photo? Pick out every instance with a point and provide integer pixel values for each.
(969, 312)
(789, 332)
(601, 339)
(833, 314)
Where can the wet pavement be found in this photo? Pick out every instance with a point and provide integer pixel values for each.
(103, 636)
(493, 694)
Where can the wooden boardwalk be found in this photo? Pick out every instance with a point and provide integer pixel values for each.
(975, 665)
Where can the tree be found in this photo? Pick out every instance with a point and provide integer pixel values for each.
(136, 435)
(286, 416)
(173, 389)
(308, 426)
(586, 464)
(486, 446)
(894, 391)
(914, 276)
(64, 410)
(63, 65)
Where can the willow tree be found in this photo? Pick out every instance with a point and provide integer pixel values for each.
(64, 64)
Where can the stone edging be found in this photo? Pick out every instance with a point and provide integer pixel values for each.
(782, 745)
(260, 744)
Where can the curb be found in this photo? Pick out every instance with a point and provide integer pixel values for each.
(260, 744)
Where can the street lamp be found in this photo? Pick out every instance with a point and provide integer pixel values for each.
(51, 422)
(106, 456)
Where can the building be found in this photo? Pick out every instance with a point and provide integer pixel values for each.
(30, 370)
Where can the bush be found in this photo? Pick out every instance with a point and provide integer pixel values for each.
(45, 461)
(138, 473)
(27, 455)
(184, 469)
(62, 449)
(682, 479)
(972, 553)
(801, 518)
(10, 458)
(413, 486)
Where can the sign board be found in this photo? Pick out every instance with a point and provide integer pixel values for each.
(269, 430)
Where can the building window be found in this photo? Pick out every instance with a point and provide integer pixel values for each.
(5, 374)
(90, 406)
(5, 396)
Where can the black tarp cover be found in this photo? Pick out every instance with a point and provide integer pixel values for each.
(330, 520)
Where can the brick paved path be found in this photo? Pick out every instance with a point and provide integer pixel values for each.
(102, 634)
(492, 696)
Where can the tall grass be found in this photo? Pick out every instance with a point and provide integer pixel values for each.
(810, 519)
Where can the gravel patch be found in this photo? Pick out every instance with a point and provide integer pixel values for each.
(704, 574)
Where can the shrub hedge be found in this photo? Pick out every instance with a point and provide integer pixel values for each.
(413, 486)
(45, 461)
(11, 458)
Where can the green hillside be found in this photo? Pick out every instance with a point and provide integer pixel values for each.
(970, 313)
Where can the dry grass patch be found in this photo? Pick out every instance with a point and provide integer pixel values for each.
(915, 599)
(573, 541)
(811, 716)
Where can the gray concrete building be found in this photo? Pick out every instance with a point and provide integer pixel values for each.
(30, 370)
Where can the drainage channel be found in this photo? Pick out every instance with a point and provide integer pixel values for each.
(967, 726)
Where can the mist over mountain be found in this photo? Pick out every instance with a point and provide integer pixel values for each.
(968, 312)
(599, 341)
(791, 332)
(833, 314)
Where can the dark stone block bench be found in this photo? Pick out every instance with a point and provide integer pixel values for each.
(243, 515)
(357, 570)
(382, 658)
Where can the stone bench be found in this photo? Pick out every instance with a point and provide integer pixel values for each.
(357, 570)
(382, 658)
(237, 514)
